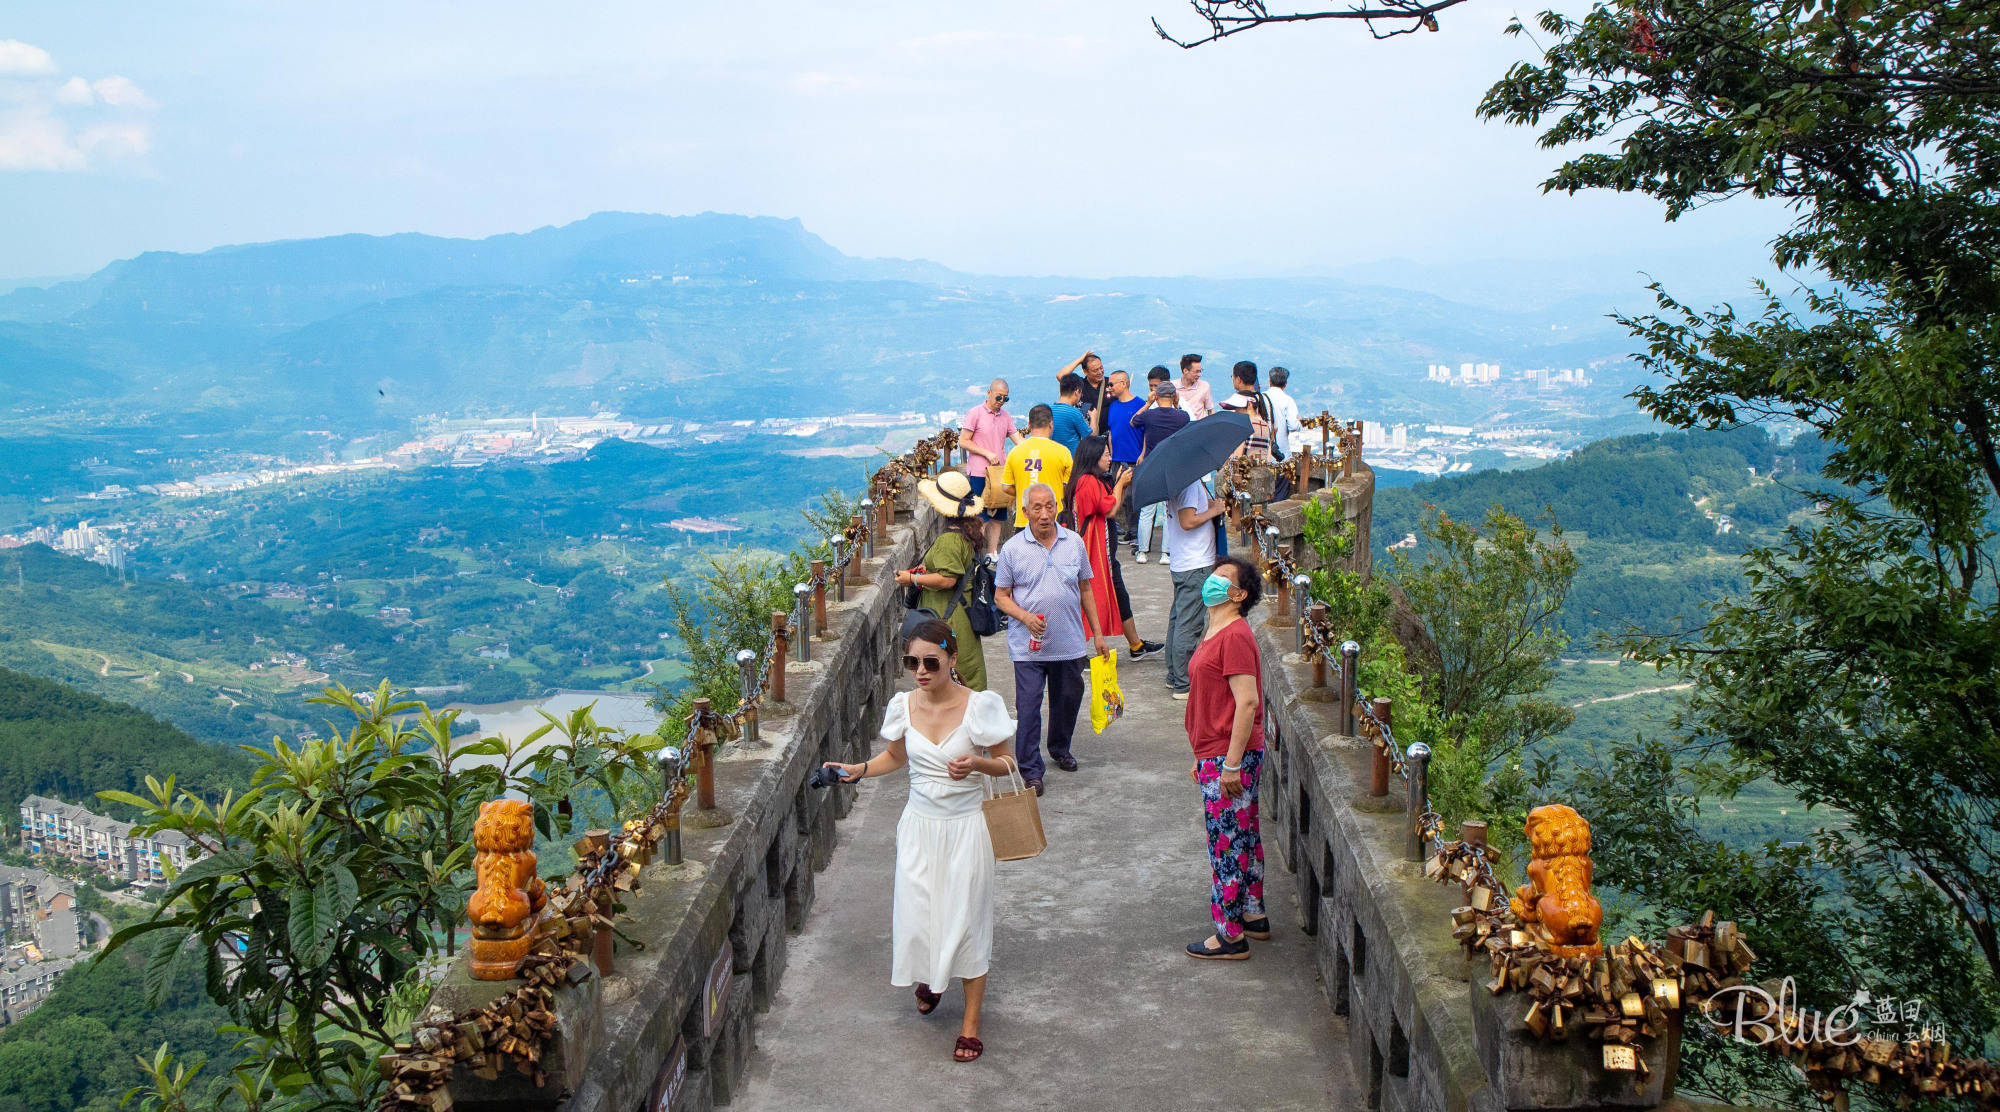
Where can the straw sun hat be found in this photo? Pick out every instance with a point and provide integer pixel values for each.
(951, 495)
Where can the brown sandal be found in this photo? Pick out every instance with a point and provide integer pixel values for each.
(965, 1043)
(927, 1001)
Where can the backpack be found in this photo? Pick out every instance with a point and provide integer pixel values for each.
(974, 591)
(977, 588)
(1268, 443)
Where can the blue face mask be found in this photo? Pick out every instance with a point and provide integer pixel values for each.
(1215, 590)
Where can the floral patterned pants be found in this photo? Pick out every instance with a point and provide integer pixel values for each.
(1235, 847)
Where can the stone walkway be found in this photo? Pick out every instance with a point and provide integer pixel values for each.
(1090, 1002)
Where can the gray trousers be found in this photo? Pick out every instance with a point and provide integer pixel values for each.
(1184, 624)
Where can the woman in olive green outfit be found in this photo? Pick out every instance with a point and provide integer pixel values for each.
(947, 561)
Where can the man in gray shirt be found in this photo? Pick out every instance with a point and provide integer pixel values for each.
(1191, 543)
(1039, 585)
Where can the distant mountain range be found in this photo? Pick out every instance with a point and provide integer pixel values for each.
(710, 316)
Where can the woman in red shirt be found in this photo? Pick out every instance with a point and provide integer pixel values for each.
(1095, 498)
(1225, 724)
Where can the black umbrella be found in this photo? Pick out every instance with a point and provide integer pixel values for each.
(1186, 456)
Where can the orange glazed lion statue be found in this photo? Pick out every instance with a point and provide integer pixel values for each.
(1557, 896)
(509, 897)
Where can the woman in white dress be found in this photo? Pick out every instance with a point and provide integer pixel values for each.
(943, 922)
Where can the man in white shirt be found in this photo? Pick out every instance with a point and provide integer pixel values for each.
(1191, 557)
(1285, 415)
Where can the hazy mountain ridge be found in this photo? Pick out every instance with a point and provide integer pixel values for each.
(675, 315)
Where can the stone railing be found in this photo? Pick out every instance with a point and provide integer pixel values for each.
(701, 945)
(1424, 1030)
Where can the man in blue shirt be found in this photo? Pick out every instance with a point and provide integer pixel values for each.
(1120, 406)
(1072, 423)
(1043, 586)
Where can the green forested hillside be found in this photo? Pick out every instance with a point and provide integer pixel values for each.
(75, 1052)
(1645, 514)
(516, 580)
(61, 742)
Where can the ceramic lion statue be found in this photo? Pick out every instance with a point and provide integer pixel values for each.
(503, 908)
(1557, 896)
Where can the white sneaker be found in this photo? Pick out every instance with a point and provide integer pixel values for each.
(1141, 557)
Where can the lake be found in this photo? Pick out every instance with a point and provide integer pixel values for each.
(618, 709)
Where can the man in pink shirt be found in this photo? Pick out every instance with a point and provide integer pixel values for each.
(988, 428)
(1195, 395)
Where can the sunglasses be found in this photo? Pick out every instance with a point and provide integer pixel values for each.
(1003, 397)
(931, 664)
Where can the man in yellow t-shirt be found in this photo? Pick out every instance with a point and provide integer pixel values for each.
(1037, 459)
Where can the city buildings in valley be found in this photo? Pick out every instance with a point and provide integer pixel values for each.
(50, 826)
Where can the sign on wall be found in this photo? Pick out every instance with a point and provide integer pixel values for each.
(716, 994)
(673, 1078)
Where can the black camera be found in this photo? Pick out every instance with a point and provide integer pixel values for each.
(825, 776)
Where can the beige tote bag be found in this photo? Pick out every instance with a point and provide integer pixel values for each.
(1013, 819)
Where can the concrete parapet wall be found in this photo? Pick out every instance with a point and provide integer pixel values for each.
(679, 1010)
(1423, 1032)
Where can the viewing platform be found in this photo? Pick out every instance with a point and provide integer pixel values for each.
(748, 967)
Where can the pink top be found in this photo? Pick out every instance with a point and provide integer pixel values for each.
(1198, 400)
(988, 430)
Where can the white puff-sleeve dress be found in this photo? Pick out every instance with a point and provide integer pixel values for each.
(942, 926)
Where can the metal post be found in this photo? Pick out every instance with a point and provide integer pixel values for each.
(840, 570)
(1269, 541)
(1350, 653)
(1416, 768)
(746, 663)
(799, 593)
(1378, 784)
(673, 767)
(868, 523)
(1318, 615)
(781, 644)
(704, 743)
(1301, 588)
(819, 594)
(1305, 469)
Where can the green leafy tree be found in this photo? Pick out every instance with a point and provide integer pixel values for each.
(1489, 600)
(1857, 667)
(727, 611)
(321, 890)
(1355, 604)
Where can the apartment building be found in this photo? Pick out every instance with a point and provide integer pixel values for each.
(39, 907)
(24, 987)
(67, 830)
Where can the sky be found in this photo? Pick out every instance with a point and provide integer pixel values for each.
(1031, 137)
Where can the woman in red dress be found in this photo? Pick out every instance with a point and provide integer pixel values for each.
(1095, 499)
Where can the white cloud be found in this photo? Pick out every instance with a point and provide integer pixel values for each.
(19, 59)
(70, 125)
(120, 92)
(75, 93)
(33, 138)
